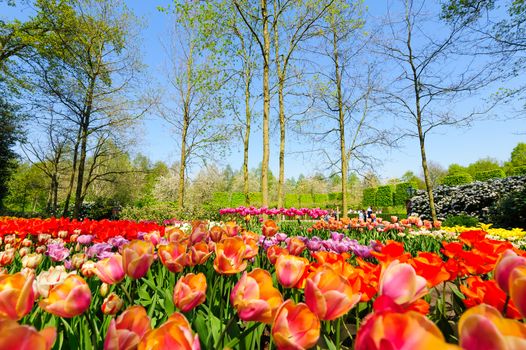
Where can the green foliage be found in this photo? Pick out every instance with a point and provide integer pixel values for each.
(369, 196)
(518, 155)
(291, 200)
(460, 220)
(457, 179)
(456, 169)
(384, 196)
(510, 211)
(157, 212)
(334, 196)
(485, 164)
(401, 194)
(489, 174)
(517, 171)
(320, 198)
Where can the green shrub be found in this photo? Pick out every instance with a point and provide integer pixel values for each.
(489, 174)
(369, 196)
(256, 198)
(510, 211)
(291, 200)
(384, 196)
(517, 171)
(401, 194)
(321, 198)
(335, 196)
(460, 220)
(221, 199)
(457, 179)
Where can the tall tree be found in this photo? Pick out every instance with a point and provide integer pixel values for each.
(196, 113)
(10, 133)
(429, 74)
(88, 72)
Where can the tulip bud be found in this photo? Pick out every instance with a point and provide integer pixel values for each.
(103, 290)
(62, 234)
(43, 238)
(112, 304)
(32, 260)
(7, 256)
(78, 247)
(77, 260)
(24, 251)
(10, 239)
(87, 269)
(73, 238)
(41, 249)
(26, 242)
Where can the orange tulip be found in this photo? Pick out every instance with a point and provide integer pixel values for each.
(68, 299)
(397, 331)
(16, 295)
(175, 235)
(230, 254)
(199, 231)
(190, 291)
(269, 228)
(295, 326)
(483, 327)
(273, 253)
(252, 248)
(255, 298)
(508, 261)
(110, 270)
(137, 256)
(290, 269)
(18, 337)
(175, 333)
(216, 233)
(518, 289)
(173, 256)
(296, 246)
(199, 254)
(112, 304)
(329, 295)
(431, 267)
(126, 332)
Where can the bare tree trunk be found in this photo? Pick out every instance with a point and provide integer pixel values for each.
(73, 173)
(281, 83)
(82, 165)
(266, 104)
(247, 135)
(182, 166)
(421, 135)
(341, 120)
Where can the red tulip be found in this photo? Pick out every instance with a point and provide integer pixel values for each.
(137, 256)
(190, 291)
(295, 326)
(68, 299)
(16, 295)
(255, 298)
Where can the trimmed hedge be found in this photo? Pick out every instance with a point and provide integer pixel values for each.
(457, 179)
(401, 195)
(384, 196)
(335, 196)
(489, 174)
(369, 196)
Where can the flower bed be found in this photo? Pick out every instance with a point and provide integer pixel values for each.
(124, 285)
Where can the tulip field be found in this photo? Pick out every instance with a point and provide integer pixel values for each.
(253, 281)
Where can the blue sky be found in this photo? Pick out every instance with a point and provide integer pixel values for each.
(490, 138)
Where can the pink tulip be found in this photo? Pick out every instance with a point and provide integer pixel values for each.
(68, 299)
(110, 270)
(518, 289)
(127, 330)
(505, 265)
(483, 327)
(137, 256)
(401, 283)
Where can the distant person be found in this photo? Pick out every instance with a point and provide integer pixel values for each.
(369, 212)
(361, 215)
